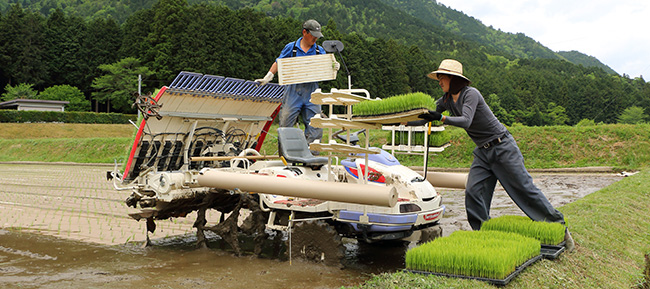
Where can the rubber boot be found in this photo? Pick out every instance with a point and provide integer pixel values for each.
(569, 243)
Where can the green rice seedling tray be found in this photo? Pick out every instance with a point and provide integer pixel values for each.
(387, 118)
(545, 232)
(498, 282)
(490, 255)
(552, 252)
(394, 104)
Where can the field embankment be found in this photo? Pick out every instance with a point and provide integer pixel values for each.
(62, 142)
(613, 145)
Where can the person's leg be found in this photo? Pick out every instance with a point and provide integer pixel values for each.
(311, 133)
(512, 174)
(308, 109)
(479, 190)
(290, 107)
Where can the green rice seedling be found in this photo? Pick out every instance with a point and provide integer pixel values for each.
(546, 232)
(394, 104)
(486, 254)
(436, 138)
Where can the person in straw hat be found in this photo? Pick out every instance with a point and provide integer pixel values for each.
(496, 156)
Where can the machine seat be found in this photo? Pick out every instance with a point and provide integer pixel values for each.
(294, 148)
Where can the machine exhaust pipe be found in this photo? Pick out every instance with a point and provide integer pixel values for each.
(329, 191)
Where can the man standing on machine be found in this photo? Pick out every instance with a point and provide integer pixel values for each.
(296, 99)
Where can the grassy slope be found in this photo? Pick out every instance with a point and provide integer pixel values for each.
(59, 142)
(612, 231)
(620, 146)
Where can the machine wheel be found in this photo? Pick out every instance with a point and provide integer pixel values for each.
(428, 234)
(316, 241)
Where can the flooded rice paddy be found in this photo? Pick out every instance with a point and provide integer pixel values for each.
(64, 226)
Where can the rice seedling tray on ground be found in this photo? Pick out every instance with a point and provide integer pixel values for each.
(552, 251)
(545, 232)
(498, 282)
(399, 117)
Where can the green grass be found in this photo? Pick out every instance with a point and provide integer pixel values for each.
(546, 233)
(487, 254)
(625, 147)
(394, 104)
(63, 130)
(86, 150)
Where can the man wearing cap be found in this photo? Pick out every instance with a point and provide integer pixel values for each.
(496, 156)
(296, 96)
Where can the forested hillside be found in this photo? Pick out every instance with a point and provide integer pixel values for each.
(518, 44)
(387, 50)
(119, 10)
(429, 11)
(577, 57)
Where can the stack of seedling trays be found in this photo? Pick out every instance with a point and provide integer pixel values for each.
(395, 109)
(496, 254)
(551, 235)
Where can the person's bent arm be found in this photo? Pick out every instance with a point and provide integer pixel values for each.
(468, 110)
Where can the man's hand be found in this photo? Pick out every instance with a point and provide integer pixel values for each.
(269, 76)
(337, 65)
(431, 116)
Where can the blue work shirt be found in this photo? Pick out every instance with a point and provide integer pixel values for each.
(287, 51)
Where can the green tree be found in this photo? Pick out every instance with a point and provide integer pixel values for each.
(586, 122)
(63, 36)
(78, 101)
(22, 47)
(23, 90)
(101, 44)
(393, 78)
(557, 114)
(166, 37)
(119, 84)
(493, 101)
(134, 34)
(632, 115)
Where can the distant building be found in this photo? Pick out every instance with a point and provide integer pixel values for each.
(34, 104)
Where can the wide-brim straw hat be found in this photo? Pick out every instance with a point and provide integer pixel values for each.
(449, 67)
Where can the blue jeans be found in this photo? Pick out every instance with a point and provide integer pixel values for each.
(505, 163)
(296, 101)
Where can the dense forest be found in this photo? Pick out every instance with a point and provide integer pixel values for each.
(91, 53)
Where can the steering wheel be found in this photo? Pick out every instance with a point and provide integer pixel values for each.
(147, 106)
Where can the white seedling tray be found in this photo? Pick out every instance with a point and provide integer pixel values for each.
(303, 69)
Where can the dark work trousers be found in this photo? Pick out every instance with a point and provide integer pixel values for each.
(503, 162)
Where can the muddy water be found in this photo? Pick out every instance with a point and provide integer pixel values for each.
(31, 261)
(74, 233)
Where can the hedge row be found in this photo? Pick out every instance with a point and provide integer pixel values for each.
(7, 115)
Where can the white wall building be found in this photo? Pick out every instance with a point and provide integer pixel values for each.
(34, 104)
